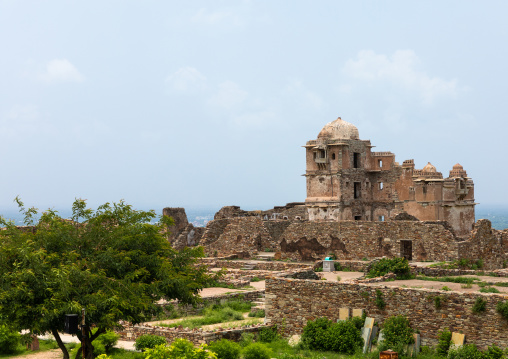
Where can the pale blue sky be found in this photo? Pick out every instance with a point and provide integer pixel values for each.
(206, 103)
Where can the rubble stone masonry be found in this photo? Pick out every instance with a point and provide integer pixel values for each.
(290, 303)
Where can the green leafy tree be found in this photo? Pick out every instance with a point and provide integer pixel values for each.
(112, 261)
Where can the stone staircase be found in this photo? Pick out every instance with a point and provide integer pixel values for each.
(259, 304)
(264, 256)
(249, 266)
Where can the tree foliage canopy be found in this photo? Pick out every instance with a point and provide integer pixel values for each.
(112, 261)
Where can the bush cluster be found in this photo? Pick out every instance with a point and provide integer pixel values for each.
(105, 342)
(226, 349)
(397, 331)
(399, 266)
(323, 334)
(9, 340)
(149, 341)
(444, 340)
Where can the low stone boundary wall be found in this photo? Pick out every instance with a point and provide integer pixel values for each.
(197, 336)
(353, 266)
(261, 265)
(293, 302)
(188, 309)
(440, 272)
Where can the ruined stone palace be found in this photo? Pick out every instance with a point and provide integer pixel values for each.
(348, 181)
(360, 205)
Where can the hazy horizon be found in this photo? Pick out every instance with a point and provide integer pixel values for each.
(206, 104)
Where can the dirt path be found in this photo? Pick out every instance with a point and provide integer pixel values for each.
(48, 354)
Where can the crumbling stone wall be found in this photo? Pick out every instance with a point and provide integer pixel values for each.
(347, 240)
(487, 244)
(245, 235)
(131, 333)
(292, 211)
(293, 302)
(182, 233)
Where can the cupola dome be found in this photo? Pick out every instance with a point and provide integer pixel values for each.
(339, 130)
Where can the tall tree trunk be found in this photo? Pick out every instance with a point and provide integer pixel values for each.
(60, 343)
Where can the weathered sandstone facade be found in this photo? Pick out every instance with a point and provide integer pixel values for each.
(347, 181)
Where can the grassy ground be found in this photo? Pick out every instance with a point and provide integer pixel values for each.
(218, 313)
(43, 346)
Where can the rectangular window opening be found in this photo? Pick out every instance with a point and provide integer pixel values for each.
(380, 163)
(356, 160)
(380, 185)
(381, 218)
(358, 218)
(357, 189)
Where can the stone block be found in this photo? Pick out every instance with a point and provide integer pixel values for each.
(369, 322)
(357, 312)
(366, 335)
(458, 340)
(328, 266)
(343, 313)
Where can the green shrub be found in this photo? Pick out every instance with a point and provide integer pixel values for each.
(380, 302)
(337, 266)
(255, 279)
(446, 288)
(399, 266)
(268, 334)
(9, 340)
(179, 349)
(149, 341)
(247, 339)
(437, 302)
(489, 290)
(493, 352)
(468, 351)
(344, 337)
(256, 351)
(314, 333)
(479, 305)
(444, 340)
(397, 330)
(358, 322)
(318, 269)
(105, 342)
(226, 349)
(502, 308)
(257, 314)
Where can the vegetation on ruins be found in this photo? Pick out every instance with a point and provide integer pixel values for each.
(231, 310)
(399, 266)
(479, 305)
(397, 333)
(444, 338)
(179, 349)
(148, 341)
(226, 349)
(462, 263)
(341, 337)
(112, 261)
(502, 308)
(380, 302)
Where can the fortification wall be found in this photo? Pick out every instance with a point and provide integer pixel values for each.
(355, 240)
(347, 240)
(291, 303)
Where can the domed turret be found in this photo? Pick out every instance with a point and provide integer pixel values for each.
(458, 171)
(429, 168)
(339, 130)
